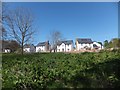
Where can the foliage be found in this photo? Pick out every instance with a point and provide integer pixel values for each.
(60, 70)
(114, 43)
(106, 43)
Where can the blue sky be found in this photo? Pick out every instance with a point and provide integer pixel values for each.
(98, 21)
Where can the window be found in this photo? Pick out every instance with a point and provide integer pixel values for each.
(63, 49)
(68, 49)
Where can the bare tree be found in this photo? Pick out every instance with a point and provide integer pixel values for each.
(20, 22)
(3, 17)
(55, 37)
(3, 33)
(1, 20)
(4, 11)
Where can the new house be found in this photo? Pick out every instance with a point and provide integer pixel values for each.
(7, 46)
(87, 44)
(97, 45)
(29, 48)
(83, 43)
(65, 46)
(43, 47)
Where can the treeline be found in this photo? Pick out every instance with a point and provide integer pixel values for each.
(114, 43)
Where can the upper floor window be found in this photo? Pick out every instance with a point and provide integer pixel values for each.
(69, 45)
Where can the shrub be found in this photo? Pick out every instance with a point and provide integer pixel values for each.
(60, 70)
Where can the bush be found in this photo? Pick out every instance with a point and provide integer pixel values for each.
(59, 70)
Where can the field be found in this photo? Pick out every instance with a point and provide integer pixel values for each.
(60, 70)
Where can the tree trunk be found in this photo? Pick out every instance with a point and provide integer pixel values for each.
(22, 49)
(22, 45)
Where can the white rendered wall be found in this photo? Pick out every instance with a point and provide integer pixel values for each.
(81, 46)
(59, 48)
(66, 48)
(40, 49)
(7, 50)
(26, 49)
(99, 45)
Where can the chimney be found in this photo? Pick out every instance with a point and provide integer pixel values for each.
(47, 45)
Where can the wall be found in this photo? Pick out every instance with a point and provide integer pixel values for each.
(26, 49)
(64, 48)
(99, 45)
(7, 50)
(81, 46)
(32, 49)
(40, 49)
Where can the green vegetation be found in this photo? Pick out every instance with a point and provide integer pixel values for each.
(60, 70)
(114, 43)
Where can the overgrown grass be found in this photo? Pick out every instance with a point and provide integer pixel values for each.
(60, 70)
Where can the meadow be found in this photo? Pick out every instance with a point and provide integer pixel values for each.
(61, 70)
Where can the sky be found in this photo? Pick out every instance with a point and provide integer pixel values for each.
(95, 20)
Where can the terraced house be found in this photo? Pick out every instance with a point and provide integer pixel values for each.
(65, 46)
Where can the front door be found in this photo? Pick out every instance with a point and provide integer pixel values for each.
(63, 49)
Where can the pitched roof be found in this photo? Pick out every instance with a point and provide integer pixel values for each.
(28, 45)
(84, 40)
(98, 42)
(67, 42)
(42, 43)
(9, 44)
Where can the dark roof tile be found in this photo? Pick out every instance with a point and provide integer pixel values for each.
(28, 45)
(84, 40)
(42, 43)
(67, 42)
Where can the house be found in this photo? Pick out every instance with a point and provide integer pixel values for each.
(87, 44)
(65, 46)
(53, 48)
(7, 46)
(83, 44)
(97, 45)
(29, 48)
(43, 47)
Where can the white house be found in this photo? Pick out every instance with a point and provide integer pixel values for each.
(42, 47)
(8, 46)
(65, 46)
(87, 44)
(83, 43)
(97, 45)
(29, 48)
(7, 50)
